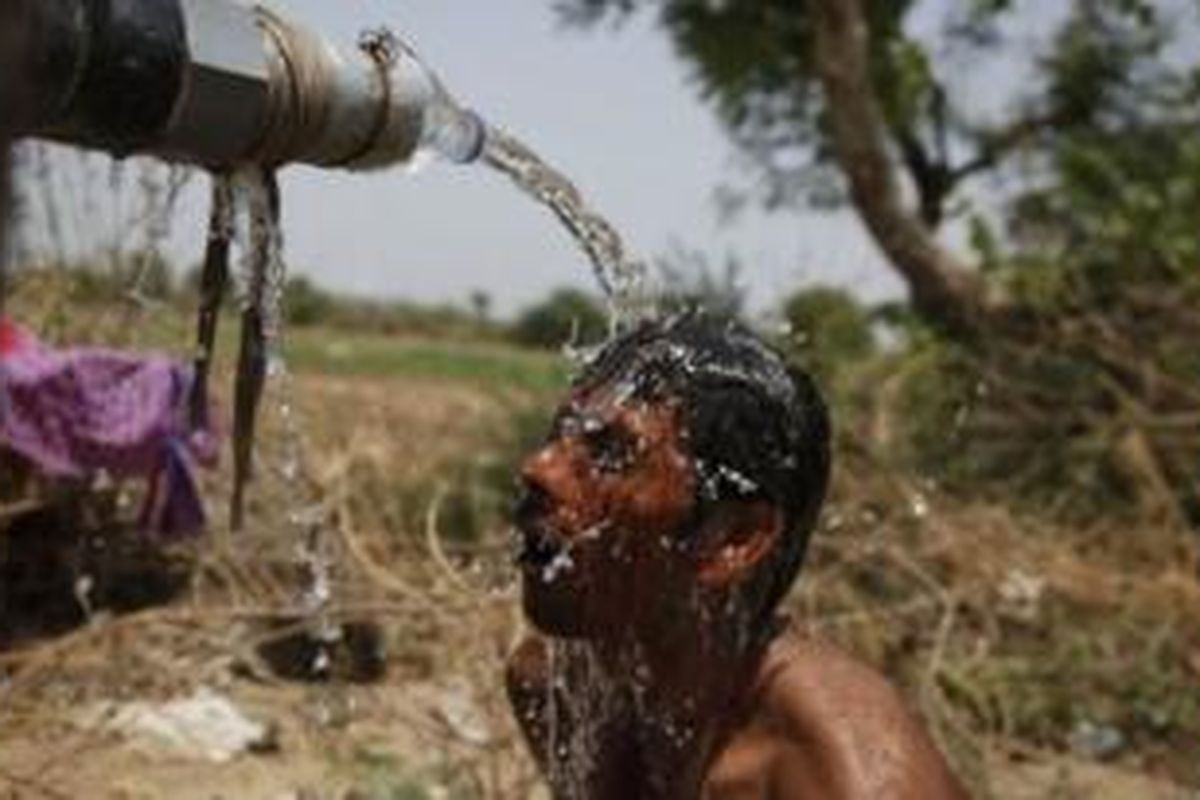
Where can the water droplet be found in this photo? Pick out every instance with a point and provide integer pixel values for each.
(562, 562)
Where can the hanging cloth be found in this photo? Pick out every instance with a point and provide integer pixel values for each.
(74, 412)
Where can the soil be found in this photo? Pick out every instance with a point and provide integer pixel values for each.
(433, 724)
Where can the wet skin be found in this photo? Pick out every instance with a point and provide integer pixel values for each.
(782, 718)
(608, 478)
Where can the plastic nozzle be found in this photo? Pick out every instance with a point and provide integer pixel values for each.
(454, 133)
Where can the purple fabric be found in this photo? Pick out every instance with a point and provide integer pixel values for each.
(77, 411)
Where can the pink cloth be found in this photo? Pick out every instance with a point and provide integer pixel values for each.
(77, 411)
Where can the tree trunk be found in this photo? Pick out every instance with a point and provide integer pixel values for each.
(944, 291)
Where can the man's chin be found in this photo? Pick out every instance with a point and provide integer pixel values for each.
(551, 613)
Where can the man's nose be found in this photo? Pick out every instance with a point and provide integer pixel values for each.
(533, 501)
(542, 469)
(547, 476)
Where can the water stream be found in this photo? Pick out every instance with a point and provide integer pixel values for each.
(581, 700)
(262, 374)
(620, 276)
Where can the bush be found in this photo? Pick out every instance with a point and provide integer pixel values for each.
(566, 317)
(826, 330)
(1084, 407)
(304, 303)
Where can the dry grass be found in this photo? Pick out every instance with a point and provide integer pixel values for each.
(1008, 632)
(444, 621)
(1005, 632)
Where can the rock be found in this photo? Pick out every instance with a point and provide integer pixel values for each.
(1021, 595)
(455, 705)
(1098, 742)
(206, 725)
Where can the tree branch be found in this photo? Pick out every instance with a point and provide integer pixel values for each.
(944, 291)
(995, 145)
(932, 179)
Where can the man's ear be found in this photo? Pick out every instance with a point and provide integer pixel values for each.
(735, 537)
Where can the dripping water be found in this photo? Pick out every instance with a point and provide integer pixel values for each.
(214, 280)
(263, 373)
(583, 703)
(160, 190)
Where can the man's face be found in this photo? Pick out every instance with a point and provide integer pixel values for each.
(604, 500)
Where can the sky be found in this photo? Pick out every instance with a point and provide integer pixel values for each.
(613, 110)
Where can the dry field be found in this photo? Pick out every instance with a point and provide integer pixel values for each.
(1052, 663)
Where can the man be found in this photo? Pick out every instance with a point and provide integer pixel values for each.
(660, 525)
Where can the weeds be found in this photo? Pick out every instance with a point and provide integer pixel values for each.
(1007, 630)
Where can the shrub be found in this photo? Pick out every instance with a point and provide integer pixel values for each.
(305, 303)
(826, 329)
(1084, 407)
(567, 316)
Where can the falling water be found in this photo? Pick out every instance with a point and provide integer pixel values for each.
(453, 133)
(580, 701)
(161, 188)
(621, 277)
(261, 273)
(262, 370)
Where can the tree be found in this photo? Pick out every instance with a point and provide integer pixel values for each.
(839, 101)
(566, 317)
(826, 330)
(305, 303)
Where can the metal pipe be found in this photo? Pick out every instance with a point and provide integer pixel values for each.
(220, 83)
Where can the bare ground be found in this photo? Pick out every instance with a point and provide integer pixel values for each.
(911, 581)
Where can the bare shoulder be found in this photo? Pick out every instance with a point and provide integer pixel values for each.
(810, 676)
(825, 705)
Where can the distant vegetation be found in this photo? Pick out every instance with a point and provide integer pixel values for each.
(1080, 405)
(1039, 391)
(565, 317)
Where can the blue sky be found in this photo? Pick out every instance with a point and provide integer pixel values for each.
(612, 110)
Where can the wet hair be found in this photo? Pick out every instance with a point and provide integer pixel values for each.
(754, 427)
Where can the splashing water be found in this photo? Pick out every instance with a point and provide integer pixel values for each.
(575, 717)
(621, 277)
